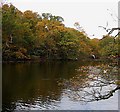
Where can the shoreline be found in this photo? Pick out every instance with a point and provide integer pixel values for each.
(60, 60)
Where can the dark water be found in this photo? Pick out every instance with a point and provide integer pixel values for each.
(59, 85)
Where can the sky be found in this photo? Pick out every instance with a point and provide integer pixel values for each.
(90, 14)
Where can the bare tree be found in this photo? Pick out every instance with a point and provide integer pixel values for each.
(111, 30)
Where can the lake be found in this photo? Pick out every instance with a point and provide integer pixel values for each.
(60, 85)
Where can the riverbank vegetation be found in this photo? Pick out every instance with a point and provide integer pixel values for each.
(29, 35)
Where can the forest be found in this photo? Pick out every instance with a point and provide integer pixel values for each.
(30, 36)
(49, 66)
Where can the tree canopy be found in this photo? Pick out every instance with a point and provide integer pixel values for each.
(26, 35)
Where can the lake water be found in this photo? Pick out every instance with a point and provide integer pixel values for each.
(59, 85)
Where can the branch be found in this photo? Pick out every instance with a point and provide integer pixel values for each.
(109, 94)
(113, 29)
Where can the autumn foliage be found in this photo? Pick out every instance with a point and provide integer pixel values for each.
(29, 34)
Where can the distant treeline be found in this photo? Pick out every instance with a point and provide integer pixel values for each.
(29, 35)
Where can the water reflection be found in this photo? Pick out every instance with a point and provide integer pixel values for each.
(93, 83)
(34, 86)
(26, 83)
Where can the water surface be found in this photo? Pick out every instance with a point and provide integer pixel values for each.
(59, 85)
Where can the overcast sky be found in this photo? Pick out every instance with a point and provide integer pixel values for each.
(90, 14)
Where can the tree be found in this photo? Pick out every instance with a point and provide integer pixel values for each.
(42, 35)
(108, 48)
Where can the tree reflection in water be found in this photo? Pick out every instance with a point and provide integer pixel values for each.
(93, 83)
(41, 86)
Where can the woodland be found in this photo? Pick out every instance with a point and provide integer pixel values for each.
(32, 36)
